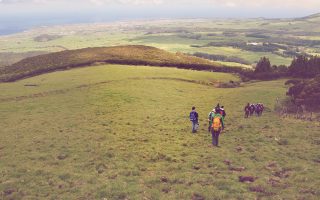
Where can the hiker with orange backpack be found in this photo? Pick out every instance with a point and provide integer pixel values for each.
(217, 127)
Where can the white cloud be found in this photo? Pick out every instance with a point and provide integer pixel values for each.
(96, 2)
(230, 4)
(269, 3)
(216, 3)
(23, 1)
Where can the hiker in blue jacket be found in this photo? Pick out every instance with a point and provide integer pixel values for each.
(194, 119)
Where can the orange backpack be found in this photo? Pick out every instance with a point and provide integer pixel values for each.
(216, 125)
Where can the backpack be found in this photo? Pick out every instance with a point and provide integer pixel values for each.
(247, 108)
(216, 124)
(193, 116)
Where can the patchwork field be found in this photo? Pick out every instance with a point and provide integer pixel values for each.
(248, 40)
(122, 132)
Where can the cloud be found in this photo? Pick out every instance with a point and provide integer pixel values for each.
(230, 4)
(96, 2)
(24, 1)
(285, 4)
(265, 3)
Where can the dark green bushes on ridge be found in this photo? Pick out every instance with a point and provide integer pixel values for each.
(306, 92)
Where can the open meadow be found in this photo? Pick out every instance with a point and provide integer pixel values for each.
(123, 132)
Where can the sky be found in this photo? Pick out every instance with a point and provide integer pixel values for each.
(17, 15)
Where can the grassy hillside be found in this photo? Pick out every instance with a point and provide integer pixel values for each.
(133, 55)
(122, 132)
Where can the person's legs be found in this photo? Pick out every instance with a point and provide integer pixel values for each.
(194, 123)
(196, 126)
(213, 137)
(217, 138)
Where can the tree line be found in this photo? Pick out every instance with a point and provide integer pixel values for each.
(301, 67)
(305, 87)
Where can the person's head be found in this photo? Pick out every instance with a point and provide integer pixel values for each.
(217, 111)
(222, 106)
(193, 108)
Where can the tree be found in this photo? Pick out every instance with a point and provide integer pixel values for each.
(263, 66)
(282, 68)
(305, 67)
(306, 92)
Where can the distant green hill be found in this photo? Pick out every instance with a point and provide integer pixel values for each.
(130, 55)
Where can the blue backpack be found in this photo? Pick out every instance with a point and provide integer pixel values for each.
(193, 116)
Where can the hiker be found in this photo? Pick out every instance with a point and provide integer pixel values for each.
(246, 110)
(217, 127)
(252, 109)
(223, 112)
(256, 109)
(259, 109)
(217, 108)
(262, 108)
(210, 116)
(194, 119)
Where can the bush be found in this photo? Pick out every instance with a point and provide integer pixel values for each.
(287, 104)
(306, 93)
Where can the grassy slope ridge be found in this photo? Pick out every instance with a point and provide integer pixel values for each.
(123, 133)
(131, 54)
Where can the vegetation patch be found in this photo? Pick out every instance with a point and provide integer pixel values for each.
(46, 37)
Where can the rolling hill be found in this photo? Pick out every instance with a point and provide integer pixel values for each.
(131, 55)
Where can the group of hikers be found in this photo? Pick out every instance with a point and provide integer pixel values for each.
(216, 122)
(250, 109)
(216, 119)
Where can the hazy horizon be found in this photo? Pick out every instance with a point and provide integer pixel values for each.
(19, 15)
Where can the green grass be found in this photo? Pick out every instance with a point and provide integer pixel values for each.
(233, 64)
(120, 132)
(246, 55)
